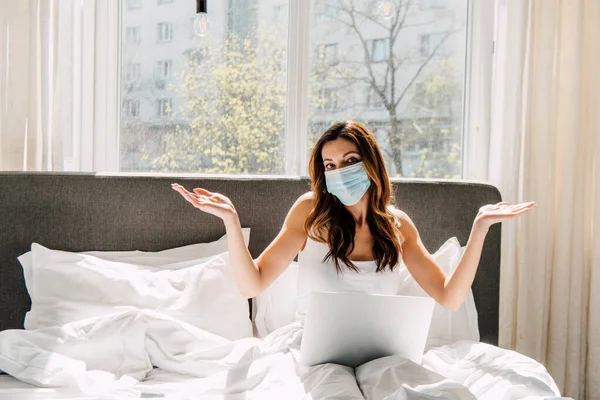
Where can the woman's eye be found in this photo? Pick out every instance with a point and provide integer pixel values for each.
(329, 166)
(352, 160)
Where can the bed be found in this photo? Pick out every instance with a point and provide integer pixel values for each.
(77, 212)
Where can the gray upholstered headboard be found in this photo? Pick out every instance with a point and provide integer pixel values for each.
(79, 212)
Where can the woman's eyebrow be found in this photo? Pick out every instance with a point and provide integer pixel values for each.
(351, 151)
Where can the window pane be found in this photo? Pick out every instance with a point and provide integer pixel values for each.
(214, 104)
(411, 98)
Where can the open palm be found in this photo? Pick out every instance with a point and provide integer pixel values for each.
(210, 202)
(500, 212)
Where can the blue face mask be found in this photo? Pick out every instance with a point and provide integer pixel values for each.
(348, 184)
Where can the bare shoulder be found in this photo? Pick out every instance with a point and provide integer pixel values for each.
(407, 227)
(300, 210)
(402, 217)
(306, 202)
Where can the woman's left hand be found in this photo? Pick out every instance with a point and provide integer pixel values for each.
(493, 213)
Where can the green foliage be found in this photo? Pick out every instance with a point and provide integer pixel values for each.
(233, 119)
(436, 123)
(446, 166)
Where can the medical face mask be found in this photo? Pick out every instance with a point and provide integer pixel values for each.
(348, 184)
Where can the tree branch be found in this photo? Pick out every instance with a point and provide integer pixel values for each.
(422, 67)
(354, 25)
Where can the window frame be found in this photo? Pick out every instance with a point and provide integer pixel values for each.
(131, 105)
(160, 107)
(137, 36)
(476, 91)
(385, 45)
(130, 75)
(160, 32)
(134, 7)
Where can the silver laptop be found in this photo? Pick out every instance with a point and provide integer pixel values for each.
(354, 328)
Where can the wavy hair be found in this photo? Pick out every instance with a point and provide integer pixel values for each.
(331, 223)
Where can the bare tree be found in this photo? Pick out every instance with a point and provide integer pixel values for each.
(384, 82)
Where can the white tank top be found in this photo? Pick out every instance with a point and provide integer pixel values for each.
(316, 275)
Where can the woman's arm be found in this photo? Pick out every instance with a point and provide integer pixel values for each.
(451, 290)
(254, 276)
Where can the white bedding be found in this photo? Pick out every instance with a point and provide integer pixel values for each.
(176, 360)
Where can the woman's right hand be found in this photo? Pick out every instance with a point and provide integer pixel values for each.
(210, 202)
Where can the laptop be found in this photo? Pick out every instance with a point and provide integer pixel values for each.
(354, 328)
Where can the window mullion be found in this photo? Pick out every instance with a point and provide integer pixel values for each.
(477, 99)
(297, 88)
(107, 100)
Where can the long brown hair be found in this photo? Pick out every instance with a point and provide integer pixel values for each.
(331, 223)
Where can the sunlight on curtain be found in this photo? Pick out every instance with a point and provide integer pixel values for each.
(545, 146)
(51, 103)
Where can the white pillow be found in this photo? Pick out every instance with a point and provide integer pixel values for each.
(276, 306)
(154, 258)
(165, 258)
(446, 326)
(66, 287)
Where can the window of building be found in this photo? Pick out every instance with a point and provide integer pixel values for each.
(163, 69)
(134, 4)
(133, 35)
(329, 53)
(164, 107)
(133, 71)
(379, 50)
(432, 42)
(131, 107)
(165, 32)
(437, 4)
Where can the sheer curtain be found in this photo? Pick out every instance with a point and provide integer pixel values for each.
(545, 146)
(57, 111)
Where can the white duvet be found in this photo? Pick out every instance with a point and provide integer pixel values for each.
(144, 354)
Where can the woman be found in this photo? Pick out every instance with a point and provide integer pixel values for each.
(348, 224)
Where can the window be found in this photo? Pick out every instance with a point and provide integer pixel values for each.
(131, 107)
(329, 53)
(379, 50)
(134, 4)
(196, 56)
(427, 4)
(328, 99)
(326, 10)
(433, 42)
(133, 71)
(165, 32)
(164, 107)
(201, 121)
(162, 73)
(133, 35)
(368, 58)
(163, 69)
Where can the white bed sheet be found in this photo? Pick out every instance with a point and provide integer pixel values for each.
(194, 365)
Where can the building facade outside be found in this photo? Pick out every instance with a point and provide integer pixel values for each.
(362, 68)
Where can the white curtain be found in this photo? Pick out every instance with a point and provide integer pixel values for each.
(58, 85)
(30, 86)
(545, 146)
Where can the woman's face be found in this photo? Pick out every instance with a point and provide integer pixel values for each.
(339, 153)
